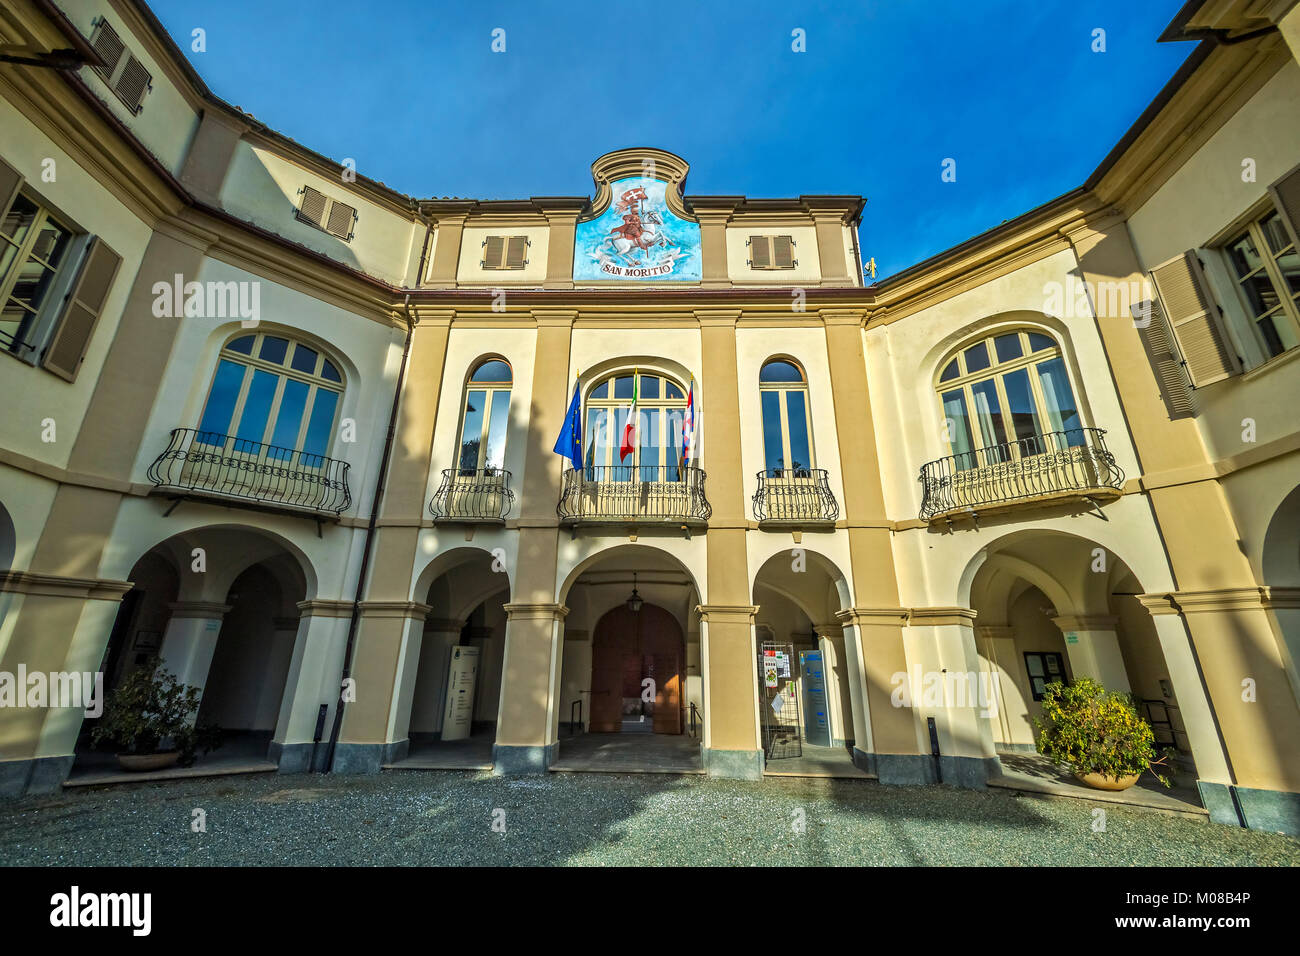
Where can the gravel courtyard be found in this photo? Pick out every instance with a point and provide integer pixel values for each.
(447, 819)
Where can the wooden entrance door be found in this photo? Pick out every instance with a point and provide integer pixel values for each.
(626, 649)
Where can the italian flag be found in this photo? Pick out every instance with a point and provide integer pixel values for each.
(629, 428)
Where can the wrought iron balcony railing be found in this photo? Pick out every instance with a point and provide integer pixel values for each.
(214, 464)
(1057, 464)
(472, 494)
(795, 495)
(635, 493)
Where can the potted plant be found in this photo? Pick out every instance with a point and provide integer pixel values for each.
(150, 716)
(1098, 735)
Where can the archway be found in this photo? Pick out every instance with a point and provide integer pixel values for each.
(1281, 573)
(218, 608)
(811, 710)
(1052, 607)
(630, 682)
(454, 696)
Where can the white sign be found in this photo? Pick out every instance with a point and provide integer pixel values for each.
(458, 715)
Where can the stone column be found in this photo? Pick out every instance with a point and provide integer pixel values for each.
(1248, 697)
(876, 620)
(997, 649)
(440, 636)
(314, 678)
(527, 722)
(947, 683)
(1093, 647)
(191, 639)
(575, 672)
(387, 655)
(729, 656)
(839, 700)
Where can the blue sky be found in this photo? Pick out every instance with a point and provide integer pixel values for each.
(885, 92)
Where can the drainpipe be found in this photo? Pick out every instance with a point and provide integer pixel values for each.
(354, 620)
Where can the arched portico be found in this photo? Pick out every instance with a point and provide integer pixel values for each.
(227, 609)
(1056, 606)
(812, 708)
(630, 689)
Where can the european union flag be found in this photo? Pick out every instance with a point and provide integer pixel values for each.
(569, 444)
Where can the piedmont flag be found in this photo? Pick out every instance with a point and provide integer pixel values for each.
(569, 444)
(629, 430)
(688, 425)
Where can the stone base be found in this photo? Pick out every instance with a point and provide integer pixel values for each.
(734, 764)
(915, 770)
(34, 776)
(510, 760)
(367, 758)
(1274, 811)
(297, 758)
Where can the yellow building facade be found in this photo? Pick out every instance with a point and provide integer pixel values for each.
(296, 433)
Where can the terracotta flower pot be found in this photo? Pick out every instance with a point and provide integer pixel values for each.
(141, 762)
(1099, 781)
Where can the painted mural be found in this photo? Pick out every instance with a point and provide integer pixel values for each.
(637, 237)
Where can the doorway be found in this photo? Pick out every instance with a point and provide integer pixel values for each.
(636, 672)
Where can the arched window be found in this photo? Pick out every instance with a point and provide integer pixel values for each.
(484, 418)
(275, 391)
(656, 454)
(1008, 396)
(787, 447)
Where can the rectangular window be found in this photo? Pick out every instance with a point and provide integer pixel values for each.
(125, 75)
(505, 252)
(797, 424)
(959, 432)
(330, 215)
(472, 435)
(773, 449)
(496, 450)
(1044, 668)
(33, 251)
(772, 252)
(1266, 267)
(1059, 396)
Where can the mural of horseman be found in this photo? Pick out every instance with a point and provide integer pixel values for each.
(640, 232)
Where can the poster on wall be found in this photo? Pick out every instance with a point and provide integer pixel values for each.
(637, 237)
(458, 717)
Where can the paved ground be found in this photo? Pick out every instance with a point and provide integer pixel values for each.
(445, 818)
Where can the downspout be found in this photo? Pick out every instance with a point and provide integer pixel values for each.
(366, 551)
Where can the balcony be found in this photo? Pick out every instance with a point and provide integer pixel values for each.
(222, 466)
(634, 494)
(1063, 465)
(795, 497)
(473, 495)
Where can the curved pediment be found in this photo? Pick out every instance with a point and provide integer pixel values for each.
(639, 228)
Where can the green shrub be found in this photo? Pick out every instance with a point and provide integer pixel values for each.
(152, 708)
(1092, 730)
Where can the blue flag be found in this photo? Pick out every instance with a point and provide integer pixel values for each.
(569, 444)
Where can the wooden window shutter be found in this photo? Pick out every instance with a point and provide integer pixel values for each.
(782, 252)
(760, 252)
(110, 48)
(312, 209)
(1170, 373)
(516, 252)
(340, 220)
(1286, 196)
(494, 252)
(132, 84)
(1190, 312)
(10, 182)
(81, 310)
